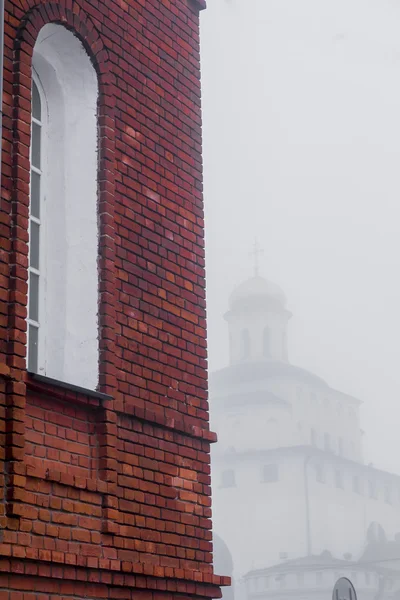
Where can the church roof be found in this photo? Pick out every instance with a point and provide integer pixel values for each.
(257, 289)
(252, 398)
(259, 371)
(320, 561)
(223, 562)
(382, 551)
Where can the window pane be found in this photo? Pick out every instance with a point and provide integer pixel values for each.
(35, 195)
(33, 335)
(34, 246)
(36, 104)
(33, 297)
(36, 145)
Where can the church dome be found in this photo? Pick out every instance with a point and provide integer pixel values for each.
(257, 290)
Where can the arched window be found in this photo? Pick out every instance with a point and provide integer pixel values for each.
(245, 344)
(63, 236)
(313, 437)
(266, 342)
(228, 478)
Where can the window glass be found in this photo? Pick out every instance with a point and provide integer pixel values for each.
(35, 194)
(270, 473)
(33, 297)
(36, 103)
(36, 150)
(34, 245)
(228, 478)
(33, 349)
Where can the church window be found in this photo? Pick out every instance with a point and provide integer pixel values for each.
(376, 533)
(340, 446)
(371, 489)
(388, 494)
(266, 342)
(319, 578)
(270, 473)
(339, 479)
(62, 321)
(356, 484)
(245, 344)
(319, 473)
(313, 437)
(367, 578)
(228, 478)
(327, 442)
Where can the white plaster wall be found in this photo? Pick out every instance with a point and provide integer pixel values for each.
(68, 348)
(261, 427)
(259, 520)
(312, 407)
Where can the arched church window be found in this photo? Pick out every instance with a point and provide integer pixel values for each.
(313, 437)
(339, 479)
(245, 344)
(266, 342)
(372, 489)
(63, 231)
(319, 473)
(270, 473)
(356, 484)
(228, 478)
(388, 494)
(376, 534)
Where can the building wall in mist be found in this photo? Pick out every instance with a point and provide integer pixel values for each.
(266, 522)
(258, 520)
(288, 472)
(303, 413)
(307, 581)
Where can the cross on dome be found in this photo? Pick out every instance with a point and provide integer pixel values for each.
(256, 252)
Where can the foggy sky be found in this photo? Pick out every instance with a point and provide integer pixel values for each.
(301, 113)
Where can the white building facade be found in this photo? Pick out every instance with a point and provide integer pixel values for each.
(288, 471)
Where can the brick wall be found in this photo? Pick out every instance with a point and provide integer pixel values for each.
(107, 495)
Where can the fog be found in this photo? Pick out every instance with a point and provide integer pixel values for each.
(301, 113)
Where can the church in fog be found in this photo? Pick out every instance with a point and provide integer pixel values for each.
(294, 502)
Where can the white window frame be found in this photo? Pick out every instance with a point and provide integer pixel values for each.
(40, 221)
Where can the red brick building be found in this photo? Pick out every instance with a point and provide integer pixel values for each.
(103, 384)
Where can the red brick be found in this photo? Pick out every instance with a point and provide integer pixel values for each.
(111, 499)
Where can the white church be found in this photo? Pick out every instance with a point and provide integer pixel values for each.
(294, 504)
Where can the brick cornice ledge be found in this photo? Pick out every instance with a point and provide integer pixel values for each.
(136, 574)
(161, 420)
(199, 4)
